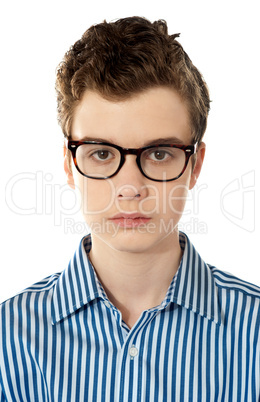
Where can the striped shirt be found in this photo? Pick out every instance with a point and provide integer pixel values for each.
(63, 340)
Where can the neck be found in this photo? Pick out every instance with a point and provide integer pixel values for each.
(135, 282)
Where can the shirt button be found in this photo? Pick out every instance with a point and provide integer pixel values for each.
(133, 351)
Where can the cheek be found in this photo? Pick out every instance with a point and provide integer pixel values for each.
(177, 195)
(177, 198)
(97, 196)
(165, 199)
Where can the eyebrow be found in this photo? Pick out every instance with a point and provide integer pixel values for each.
(163, 140)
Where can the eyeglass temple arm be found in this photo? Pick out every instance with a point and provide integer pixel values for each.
(66, 143)
(196, 147)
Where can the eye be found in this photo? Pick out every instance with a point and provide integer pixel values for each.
(159, 155)
(102, 154)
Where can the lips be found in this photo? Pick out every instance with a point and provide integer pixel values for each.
(130, 220)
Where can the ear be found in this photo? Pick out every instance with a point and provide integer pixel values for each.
(198, 165)
(67, 167)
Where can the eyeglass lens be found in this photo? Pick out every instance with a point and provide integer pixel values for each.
(159, 163)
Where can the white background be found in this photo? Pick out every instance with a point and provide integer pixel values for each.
(221, 38)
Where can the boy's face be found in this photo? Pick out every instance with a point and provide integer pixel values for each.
(155, 114)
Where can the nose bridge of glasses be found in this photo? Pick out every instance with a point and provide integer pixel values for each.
(131, 151)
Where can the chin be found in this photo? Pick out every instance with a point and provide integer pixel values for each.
(132, 241)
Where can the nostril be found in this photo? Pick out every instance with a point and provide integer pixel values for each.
(128, 190)
(129, 196)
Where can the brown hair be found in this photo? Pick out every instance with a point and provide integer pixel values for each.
(123, 58)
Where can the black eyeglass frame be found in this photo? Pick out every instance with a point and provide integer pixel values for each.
(189, 150)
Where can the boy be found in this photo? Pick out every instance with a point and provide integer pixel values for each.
(137, 315)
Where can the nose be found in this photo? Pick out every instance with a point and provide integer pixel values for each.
(130, 181)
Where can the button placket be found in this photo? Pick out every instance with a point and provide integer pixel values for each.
(133, 352)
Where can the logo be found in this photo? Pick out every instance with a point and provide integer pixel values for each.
(237, 201)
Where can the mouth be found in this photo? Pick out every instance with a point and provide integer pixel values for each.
(130, 220)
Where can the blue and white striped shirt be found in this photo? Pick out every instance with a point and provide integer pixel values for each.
(63, 340)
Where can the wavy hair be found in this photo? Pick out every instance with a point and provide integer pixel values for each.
(123, 58)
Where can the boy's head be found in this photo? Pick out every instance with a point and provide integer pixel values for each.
(130, 85)
(121, 59)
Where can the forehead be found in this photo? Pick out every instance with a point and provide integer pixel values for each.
(154, 113)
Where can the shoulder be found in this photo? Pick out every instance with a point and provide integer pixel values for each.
(39, 289)
(227, 281)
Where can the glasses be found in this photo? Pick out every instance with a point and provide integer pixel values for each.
(102, 160)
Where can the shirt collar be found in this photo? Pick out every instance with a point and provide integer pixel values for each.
(77, 285)
(193, 289)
